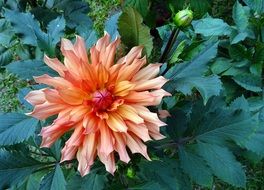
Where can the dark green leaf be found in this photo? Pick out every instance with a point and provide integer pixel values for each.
(6, 56)
(140, 5)
(15, 167)
(241, 15)
(132, 30)
(220, 65)
(29, 68)
(195, 167)
(211, 27)
(223, 164)
(91, 181)
(54, 180)
(256, 5)
(16, 128)
(249, 82)
(186, 76)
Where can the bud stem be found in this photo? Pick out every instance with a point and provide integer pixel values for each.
(169, 45)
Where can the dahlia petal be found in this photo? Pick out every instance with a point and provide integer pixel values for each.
(35, 97)
(128, 71)
(158, 94)
(154, 131)
(80, 49)
(56, 82)
(78, 112)
(130, 113)
(94, 55)
(122, 88)
(149, 72)
(141, 98)
(102, 75)
(116, 123)
(109, 162)
(53, 96)
(102, 43)
(148, 116)
(73, 96)
(136, 145)
(90, 124)
(106, 142)
(68, 153)
(120, 147)
(155, 83)
(90, 144)
(83, 167)
(56, 65)
(42, 111)
(164, 114)
(109, 55)
(140, 130)
(116, 104)
(134, 53)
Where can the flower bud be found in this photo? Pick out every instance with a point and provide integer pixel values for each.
(183, 18)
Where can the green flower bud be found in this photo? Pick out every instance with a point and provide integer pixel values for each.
(183, 18)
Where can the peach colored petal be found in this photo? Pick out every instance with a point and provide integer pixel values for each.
(120, 147)
(164, 114)
(155, 83)
(141, 98)
(122, 88)
(129, 113)
(109, 162)
(116, 123)
(102, 75)
(154, 131)
(52, 96)
(94, 53)
(80, 49)
(134, 53)
(73, 96)
(116, 104)
(136, 145)
(56, 82)
(140, 130)
(109, 56)
(158, 94)
(42, 111)
(148, 72)
(56, 65)
(35, 97)
(90, 123)
(106, 139)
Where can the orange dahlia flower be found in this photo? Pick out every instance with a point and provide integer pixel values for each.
(102, 102)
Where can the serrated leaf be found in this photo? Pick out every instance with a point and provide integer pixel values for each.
(223, 164)
(29, 68)
(54, 180)
(132, 30)
(55, 29)
(241, 15)
(15, 167)
(249, 82)
(15, 128)
(211, 27)
(111, 25)
(89, 35)
(220, 65)
(25, 25)
(166, 173)
(195, 167)
(217, 125)
(6, 56)
(256, 5)
(91, 181)
(186, 76)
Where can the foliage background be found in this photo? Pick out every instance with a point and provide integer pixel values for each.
(232, 69)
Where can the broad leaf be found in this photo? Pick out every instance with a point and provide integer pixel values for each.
(195, 167)
(54, 180)
(249, 82)
(132, 30)
(29, 68)
(256, 5)
(140, 5)
(15, 167)
(111, 25)
(223, 164)
(16, 128)
(211, 27)
(91, 181)
(186, 76)
(89, 35)
(55, 29)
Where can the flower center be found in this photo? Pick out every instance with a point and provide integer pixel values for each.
(102, 99)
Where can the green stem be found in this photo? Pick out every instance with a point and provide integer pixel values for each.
(171, 41)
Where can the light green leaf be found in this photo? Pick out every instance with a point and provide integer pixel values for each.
(54, 180)
(15, 128)
(132, 30)
(249, 82)
(195, 167)
(15, 167)
(91, 181)
(211, 27)
(29, 68)
(223, 164)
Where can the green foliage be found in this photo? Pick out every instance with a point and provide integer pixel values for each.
(215, 72)
(132, 31)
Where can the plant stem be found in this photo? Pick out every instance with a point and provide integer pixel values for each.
(171, 41)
